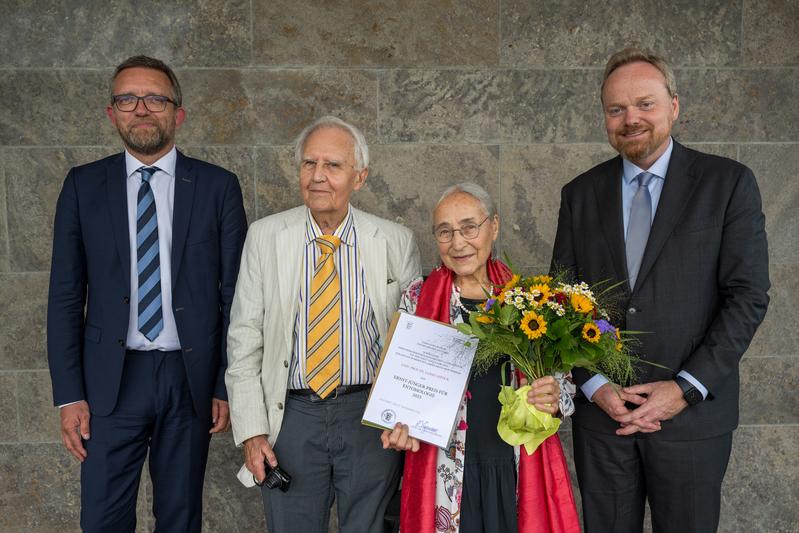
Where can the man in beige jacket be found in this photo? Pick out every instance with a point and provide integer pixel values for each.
(317, 287)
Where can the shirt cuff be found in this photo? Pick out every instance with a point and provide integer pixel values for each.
(592, 385)
(695, 382)
(65, 404)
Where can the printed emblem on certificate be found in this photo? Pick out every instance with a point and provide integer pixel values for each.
(423, 373)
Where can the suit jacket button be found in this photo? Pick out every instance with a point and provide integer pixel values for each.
(286, 364)
(121, 342)
(125, 300)
(279, 405)
(632, 310)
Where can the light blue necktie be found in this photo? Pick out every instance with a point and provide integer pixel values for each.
(151, 320)
(638, 226)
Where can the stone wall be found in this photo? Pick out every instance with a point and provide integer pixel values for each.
(501, 92)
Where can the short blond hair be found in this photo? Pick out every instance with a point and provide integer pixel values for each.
(633, 55)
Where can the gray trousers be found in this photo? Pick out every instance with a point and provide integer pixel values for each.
(328, 452)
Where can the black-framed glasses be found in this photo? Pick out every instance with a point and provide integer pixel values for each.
(468, 231)
(155, 103)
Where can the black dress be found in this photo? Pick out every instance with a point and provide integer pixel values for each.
(488, 502)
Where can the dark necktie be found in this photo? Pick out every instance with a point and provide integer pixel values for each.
(150, 321)
(638, 226)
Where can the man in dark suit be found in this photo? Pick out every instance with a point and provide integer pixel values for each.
(685, 233)
(146, 252)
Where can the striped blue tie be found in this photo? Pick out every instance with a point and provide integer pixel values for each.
(151, 320)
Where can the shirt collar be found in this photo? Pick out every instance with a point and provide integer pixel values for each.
(345, 231)
(166, 164)
(658, 168)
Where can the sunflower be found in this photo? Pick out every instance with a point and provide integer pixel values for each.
(618, 346)
(591, 333)
(533, 325)
(581, 304)
(484, 319)
(542, 279)
(543, 293)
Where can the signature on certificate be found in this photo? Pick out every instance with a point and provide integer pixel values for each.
(425, 427)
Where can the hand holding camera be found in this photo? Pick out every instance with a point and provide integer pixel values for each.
(259, 458)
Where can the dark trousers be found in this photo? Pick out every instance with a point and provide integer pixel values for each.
(681, 480)
(154, 412)
(328, 452)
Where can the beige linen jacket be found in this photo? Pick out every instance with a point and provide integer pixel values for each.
(265, 304)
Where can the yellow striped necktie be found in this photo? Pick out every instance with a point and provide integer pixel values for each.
(323, 364)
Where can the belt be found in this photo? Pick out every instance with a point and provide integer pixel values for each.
(340, 391)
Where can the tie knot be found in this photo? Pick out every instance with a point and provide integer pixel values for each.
(328, 243)
(644, 178)
(147, 173)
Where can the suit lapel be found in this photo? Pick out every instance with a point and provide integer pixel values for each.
(677, 188)
(185, 182)
(607, 190)
(372, 248)
(290, 245)
(116, 185)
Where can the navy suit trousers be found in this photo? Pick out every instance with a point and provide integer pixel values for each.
(154, 414)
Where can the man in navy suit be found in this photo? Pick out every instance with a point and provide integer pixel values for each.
(146, 252)
(682, 235)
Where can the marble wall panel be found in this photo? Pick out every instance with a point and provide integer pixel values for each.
(531, 179)
(778, 334)
(774, 166)
(54, 107)
(286, 101)
(4, 256)
(40, 490)
(34, 177)
(413, 33)
(39, 420)
(90, 33)
(768, 386)
(738, 105)
(574, 33)
(277, 185)
(769, 31)
(405, 183)
(23, 313)
(759, 491)
(9, 429)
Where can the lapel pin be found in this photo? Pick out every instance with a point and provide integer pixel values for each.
(389, 281)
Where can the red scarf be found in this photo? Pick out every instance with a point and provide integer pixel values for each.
(545, 500)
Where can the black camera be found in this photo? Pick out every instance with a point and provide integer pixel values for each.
(276, 478)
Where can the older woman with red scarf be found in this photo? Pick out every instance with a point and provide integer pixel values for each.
(479, 483)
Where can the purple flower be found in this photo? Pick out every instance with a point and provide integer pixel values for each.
(490, 303)
(605, 326)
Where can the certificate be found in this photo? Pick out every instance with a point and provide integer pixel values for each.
(423, 373)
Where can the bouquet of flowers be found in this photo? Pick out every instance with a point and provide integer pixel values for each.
(546, 326)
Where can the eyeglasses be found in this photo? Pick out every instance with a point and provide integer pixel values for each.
(308, 166)
(155, 103)
(468, 231)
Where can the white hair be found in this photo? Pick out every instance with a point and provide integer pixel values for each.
(473, 190)
(361, 149)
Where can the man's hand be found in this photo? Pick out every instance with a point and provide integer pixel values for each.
(610, 398)
(399, 440)
(74, 427)
(220, 416)
(256, 450)
(664, 401)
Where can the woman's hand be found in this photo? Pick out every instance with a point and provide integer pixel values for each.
(544, 394)
(398, 439)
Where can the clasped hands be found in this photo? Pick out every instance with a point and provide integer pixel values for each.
(656, 401)
(544, 395)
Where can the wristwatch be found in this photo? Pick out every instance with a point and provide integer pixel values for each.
(689, 393)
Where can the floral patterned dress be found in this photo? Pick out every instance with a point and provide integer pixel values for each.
(476, 486)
